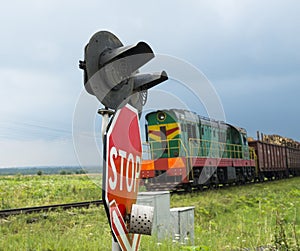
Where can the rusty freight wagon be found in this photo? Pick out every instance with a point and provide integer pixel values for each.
(271, 160)
(293, 160)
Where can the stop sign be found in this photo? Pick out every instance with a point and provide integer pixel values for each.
(122, 169)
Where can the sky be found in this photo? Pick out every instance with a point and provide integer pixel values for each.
(248, 50)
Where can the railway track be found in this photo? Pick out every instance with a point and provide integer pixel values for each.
(28, 210)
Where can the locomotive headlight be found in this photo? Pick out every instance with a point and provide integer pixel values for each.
(161, 116)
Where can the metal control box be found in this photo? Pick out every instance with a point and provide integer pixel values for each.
(182, 224)
(161, 217)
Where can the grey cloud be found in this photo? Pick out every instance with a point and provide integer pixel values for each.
(247, 49)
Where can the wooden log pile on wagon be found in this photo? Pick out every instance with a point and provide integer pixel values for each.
(279, 140)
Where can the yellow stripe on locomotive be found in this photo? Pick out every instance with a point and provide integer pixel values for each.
(171, 131)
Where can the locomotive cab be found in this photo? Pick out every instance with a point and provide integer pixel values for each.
(239, 138)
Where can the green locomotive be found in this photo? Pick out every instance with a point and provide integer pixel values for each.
(191, 151)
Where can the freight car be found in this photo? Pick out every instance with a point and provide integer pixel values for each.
(293, 160)
(271, 160)
(190, 151)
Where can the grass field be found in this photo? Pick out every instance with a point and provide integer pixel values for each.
(35, 190)
(235, 218)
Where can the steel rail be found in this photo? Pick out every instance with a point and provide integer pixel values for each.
(37, 209)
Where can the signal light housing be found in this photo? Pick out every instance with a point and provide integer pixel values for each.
(111, 71)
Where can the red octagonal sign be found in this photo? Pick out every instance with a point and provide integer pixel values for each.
(123, 165)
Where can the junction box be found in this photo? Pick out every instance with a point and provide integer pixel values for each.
(182, 224)
(161, 215)
(176, 223)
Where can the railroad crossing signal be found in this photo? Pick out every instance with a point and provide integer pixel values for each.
(121, 174)
(111, 74)
(111, 71)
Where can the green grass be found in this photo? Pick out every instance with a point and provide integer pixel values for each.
(81, 229)
(234, 218)
(35, 190)
(247, 217)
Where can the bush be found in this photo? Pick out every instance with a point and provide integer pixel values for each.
(63, 172)
(81, 171)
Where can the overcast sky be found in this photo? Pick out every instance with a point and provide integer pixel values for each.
(248, 49)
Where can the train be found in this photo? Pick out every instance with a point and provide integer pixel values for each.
(188, 151)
